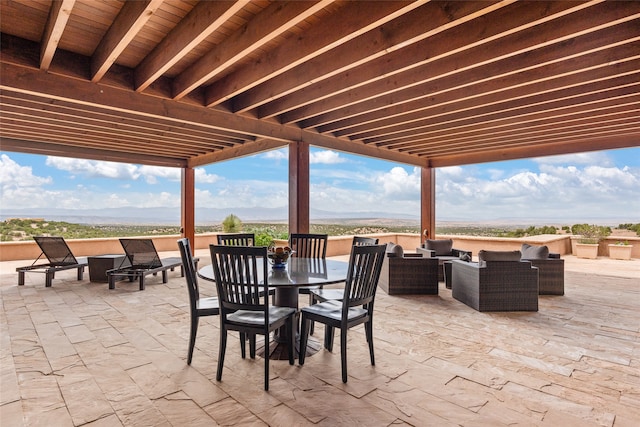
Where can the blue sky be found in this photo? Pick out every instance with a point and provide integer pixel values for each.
(587, 187)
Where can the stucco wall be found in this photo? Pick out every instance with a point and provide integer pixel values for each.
(337, 245)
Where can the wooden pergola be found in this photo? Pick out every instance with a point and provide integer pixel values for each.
(185, 83)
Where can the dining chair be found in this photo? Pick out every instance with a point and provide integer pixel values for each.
(308, 245)
(242, 283)
(199, 307)
(321, 294)
(356, 307)
(237, 239)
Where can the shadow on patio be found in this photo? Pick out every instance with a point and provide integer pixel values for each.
(81, 354)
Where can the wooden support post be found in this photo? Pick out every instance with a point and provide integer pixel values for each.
(187, 206)
(299, 187)
(428, 203)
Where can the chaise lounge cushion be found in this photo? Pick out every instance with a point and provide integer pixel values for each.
(534, 252)
(440, 247)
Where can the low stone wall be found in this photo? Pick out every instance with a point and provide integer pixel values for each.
(337, 245)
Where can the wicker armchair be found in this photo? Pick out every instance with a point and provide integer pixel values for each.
(496, 285)
(405, 274)
(550, 268)
(443, 251)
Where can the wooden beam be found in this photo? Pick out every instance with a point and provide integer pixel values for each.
(204, 19)
(43, 148)
(428, 203)
(361, 50)
(584, 144)
(486, 38)
(246, 149)
(188, 205)
(30, 81)
(299, 187)
(273, 21)
(395, 98)
(130, 20)
(56, 23)
(352, 20)
(448, 110)
(522, 113)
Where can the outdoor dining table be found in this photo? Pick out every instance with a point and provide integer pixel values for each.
(298, 272)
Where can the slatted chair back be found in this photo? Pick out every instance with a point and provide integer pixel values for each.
(142, 253)
(56, 250)
(190, 274)
(365, 263)
(237, 239)
(360, 241)
(241, 273)
(309, 245)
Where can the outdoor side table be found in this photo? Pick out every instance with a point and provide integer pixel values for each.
(99, 264)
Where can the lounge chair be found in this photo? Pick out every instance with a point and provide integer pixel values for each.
(550, 268)
(443, 250)
(144, 260)
(500, 281)
(408, 273)
(60, 257)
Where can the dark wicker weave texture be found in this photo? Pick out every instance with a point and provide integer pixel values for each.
(551, 275)
(410, 274)
(496, 286)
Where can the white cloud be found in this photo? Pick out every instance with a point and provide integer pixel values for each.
(327, 157)
(94, 168)
(398, 184)
(202, 177)
(281, 154)
(589, 158)
(554, 192)
(113, 170)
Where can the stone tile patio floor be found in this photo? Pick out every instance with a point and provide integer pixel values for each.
(79, 354)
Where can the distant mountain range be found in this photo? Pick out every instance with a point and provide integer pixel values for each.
(208, 216)
(161, 216)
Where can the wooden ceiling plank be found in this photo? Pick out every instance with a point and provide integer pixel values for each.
(502, 144)
(73, 137)
(542, 63)
(352, 20)
(479, 42)
(506, 135)
(70, 138)
(539, 103)
(115, 133)
(132, 17)
(273, 21)
(74, 111)
(11, 144)
(512, 72)
(31, 81)
(121, 128)
(483, 30)
(404, 30)
(585, 144)
(205, 18)
(56, 23)
(451, 107)
(627, 99)
(512, 124)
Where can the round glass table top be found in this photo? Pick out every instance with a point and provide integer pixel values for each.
(298, 272)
